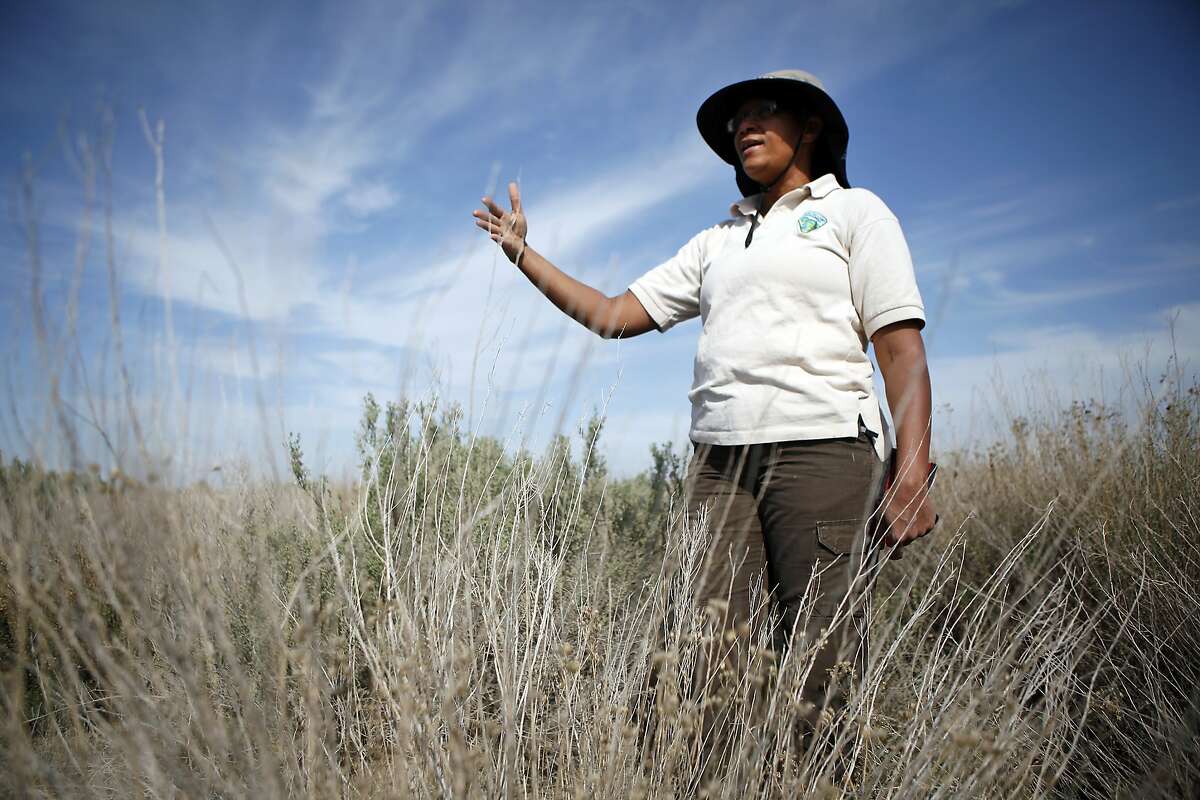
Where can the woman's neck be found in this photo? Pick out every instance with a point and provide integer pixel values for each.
(794, 178)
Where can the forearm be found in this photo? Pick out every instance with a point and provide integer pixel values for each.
(621, 316)
(576, 299)
(900, 351)
(906, 380)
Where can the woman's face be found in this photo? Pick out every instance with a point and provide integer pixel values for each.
(766, 143)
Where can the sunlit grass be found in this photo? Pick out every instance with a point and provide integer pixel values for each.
(463, 622)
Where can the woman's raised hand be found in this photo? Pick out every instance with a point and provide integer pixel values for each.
(508, 228)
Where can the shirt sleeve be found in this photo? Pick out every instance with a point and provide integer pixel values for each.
(670, 292)
(883, 285)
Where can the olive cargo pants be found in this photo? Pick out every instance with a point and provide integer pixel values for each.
(788, 526)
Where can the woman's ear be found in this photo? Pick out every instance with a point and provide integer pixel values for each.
(812, 129)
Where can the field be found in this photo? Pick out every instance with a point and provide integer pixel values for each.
(469, 622)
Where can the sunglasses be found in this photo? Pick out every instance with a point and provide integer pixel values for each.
(757, 113)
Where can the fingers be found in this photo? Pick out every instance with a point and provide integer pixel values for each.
(903, 532)
(491, 224)
(495, 210)
(891, 545)
(483, 219)
(506, 228)
(909, 536)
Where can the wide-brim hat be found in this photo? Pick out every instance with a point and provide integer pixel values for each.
(792, 89)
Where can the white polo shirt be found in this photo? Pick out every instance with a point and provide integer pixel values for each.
(785, 321)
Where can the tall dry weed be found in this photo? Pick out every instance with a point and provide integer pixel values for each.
(465, 622)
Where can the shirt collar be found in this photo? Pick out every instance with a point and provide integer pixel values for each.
(822, 186)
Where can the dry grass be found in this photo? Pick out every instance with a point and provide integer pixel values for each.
(468, 623)
(463, 621)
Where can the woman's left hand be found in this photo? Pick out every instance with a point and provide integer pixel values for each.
(908, 514)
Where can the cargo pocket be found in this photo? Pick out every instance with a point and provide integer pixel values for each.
(839, 560)
(840, 537)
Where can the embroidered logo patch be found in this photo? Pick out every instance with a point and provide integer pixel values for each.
(810, 221)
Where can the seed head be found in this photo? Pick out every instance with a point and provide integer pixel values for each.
(716, 608)
(663, 658)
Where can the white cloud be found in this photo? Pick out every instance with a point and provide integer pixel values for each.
(618, 192)
(1041, 370)
(458, 308)
(271, 274)
(369, 198)
(994, 289)
(304, 169)
(1177, 203)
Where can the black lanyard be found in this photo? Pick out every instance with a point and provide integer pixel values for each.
(753, 225)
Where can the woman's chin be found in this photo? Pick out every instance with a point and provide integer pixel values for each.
(755, 170)
(756, 175)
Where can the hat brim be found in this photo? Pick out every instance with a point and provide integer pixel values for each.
(716, 111)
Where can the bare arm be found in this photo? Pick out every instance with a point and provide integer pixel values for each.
(610, 317)
(900, 352)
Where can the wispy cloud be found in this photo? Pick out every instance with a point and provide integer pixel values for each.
(995, 289)
(274, 276)
(337, 154)
(1042, 369)
(1177, 203)
(366, 199)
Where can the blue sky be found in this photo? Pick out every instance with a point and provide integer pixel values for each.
(1039, 156)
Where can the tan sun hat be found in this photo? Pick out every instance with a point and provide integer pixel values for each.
(793, 89)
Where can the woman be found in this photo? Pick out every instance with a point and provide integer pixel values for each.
(787, 429)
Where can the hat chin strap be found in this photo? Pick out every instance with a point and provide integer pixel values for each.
(766, 187)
